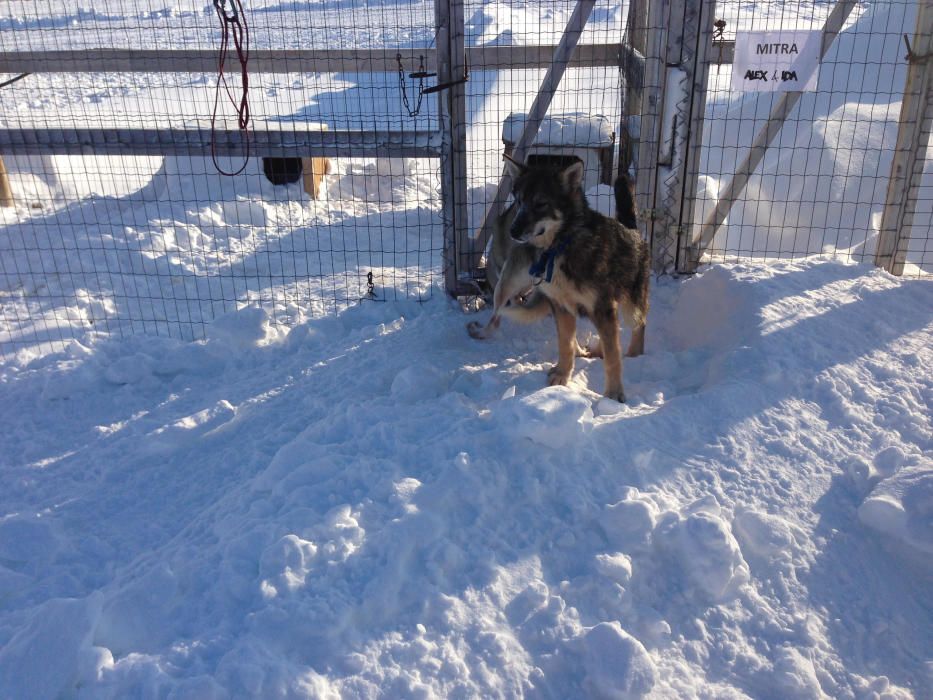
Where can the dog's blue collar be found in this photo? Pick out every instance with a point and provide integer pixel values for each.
(543, 267)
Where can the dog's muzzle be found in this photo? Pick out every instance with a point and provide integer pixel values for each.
(519, 227)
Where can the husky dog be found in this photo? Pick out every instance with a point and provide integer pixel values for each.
(579, 263)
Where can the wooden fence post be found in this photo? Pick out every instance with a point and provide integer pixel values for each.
(6, 193)
(913, 139)
(314, 169)
(451, 58)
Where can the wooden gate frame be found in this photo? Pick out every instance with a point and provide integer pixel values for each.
(677, 37)
(914, 134)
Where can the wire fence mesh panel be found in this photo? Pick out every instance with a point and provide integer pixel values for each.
(510, 50)
(123, 224)
(820, 186)
(355, 177)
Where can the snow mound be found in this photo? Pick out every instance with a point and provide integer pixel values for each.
(765, 535)
(630, 521)
(577, 129)
(414, 384)
(702, 543)
(708, 312)
(49, 654)
(794, 676)
(901, 507)
(185, 431)
(249, 327)
(617, 665)
(552, 417)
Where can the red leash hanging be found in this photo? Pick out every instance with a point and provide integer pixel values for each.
(233, 28)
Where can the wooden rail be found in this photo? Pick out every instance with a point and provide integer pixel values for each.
(197, 141)
(293, 60)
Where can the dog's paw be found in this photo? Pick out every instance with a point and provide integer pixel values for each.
(557, 377)
(616, 395)
(475, 329)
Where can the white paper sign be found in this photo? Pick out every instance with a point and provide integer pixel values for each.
(776, 61)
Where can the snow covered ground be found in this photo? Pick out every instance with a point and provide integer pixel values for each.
(292, 498)
(375, 505)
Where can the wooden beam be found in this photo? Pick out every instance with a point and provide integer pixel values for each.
(700, 65)
(293, 60)
(559, 62)
(779, 114)
(459, 157)
(6, 192)
(646, 176)
(407, 144)
(913, 134)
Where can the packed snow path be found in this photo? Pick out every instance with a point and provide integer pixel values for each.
(375, 505)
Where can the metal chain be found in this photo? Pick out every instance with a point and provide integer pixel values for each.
(421, 75)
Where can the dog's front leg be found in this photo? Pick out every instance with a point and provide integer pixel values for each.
(566, 346)
(607, 324)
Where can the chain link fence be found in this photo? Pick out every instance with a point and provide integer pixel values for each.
(116, 120)
(119, 220)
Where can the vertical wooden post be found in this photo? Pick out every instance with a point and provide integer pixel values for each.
(313, 171)
(568, 42)
(6, 192)
(913, 130)
(698, 67)
(646, 177)
(457, 97)
(632, 63)
(451, 58)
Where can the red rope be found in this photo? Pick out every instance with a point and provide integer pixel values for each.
(233, 27)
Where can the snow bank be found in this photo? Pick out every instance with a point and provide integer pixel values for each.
(551, 417)
(901, 507)
(376, 505)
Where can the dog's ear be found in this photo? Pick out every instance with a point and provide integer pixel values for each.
(513, 166)
(572, 177)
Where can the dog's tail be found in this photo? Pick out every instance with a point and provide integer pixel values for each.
(639, 289)
(625, 202)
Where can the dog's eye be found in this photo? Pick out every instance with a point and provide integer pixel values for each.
(541, 208)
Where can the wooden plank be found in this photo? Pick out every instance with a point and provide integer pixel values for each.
(409, 144)
(691, 173)
(293, 60)
(539, 107)
(779, 113)
(6, 192)
(633, 69)
(910, 149)
(309, 60)
(514, 57)
(646, 176)
(458, 114)
(442, 12)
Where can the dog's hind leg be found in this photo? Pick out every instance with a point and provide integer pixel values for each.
(636, 345)
(634, 319)
(606, 318)
(566, 345)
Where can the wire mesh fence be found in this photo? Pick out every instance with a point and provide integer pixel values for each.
(128, 226)
(584, 114)
(118, 238)
(821, 185)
